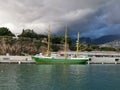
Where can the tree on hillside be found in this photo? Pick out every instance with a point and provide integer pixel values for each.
(55, 48)
(72, 47)
(28, 33)
(5, 32)
(56, 40)
(69, 40)
(31, 34)
(107, 48)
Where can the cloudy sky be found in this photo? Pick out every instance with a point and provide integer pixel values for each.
(92, 18)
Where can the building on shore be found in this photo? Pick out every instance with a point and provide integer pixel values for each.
(91, 54)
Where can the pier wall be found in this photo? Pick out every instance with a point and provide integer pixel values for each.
(28, 60)
(16, 59)
(104, 60)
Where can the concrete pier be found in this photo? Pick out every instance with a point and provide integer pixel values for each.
(104, 60)
(28, 60)
(16, 60)
(97, 57)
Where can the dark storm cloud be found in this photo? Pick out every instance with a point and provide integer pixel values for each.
(92, 18)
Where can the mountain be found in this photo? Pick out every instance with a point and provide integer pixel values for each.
(86, 40)
(114, 44)
(106, 39)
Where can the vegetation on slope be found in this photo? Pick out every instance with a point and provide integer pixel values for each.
(31, 43)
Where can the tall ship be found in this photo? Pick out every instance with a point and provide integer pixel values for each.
(49, 59)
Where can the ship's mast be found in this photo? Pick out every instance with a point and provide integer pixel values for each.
(77, 44)
(48, 49)
(65, 48)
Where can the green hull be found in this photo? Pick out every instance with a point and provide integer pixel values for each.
(59, 61)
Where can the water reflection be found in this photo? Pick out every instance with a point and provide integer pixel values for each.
(59, 77)
(8, 77)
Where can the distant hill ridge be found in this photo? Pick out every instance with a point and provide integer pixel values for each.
(107, 39)
(101, 40)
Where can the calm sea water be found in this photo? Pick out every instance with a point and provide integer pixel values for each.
(59, 77)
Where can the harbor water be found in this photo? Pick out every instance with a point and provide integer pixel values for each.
(59, 77)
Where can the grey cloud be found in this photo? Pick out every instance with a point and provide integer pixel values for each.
(105, 21)
(87, 16)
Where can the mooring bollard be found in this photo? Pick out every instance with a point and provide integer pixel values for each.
(19, 62)
(116, 60)
(102, 62)
(88, 62)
